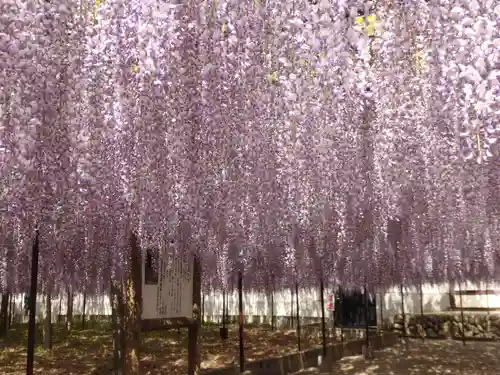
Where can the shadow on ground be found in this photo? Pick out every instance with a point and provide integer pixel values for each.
(424, 358)
(89, 352)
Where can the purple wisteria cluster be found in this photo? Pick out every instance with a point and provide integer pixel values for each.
(352, 141)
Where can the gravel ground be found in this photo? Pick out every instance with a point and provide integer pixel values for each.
(423, 358)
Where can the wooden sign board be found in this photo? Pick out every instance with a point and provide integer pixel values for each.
(171, 286)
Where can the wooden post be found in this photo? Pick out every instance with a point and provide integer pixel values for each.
(341, 312)
(32, 306)
(403, 308)
(69, 311)
(422, 311)
(382, 300)
(4, 314)
(11, 310)
(59, 310)
(367, 328)
(203, 309)
(194, 359)
(272, 308)
(83, 309)
(241, 322)
(298, 313)
(223, 308)
(291, 308)
(323, 320)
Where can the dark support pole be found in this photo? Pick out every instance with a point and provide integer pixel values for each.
(462, 313)
(422, 312)
(227, 308)
(11, 310)
(403, 309)
(367, 329)
(298, 313)
(32, 307)
(241, 322)
(59, 311)
(341, 312)
(323, 320)
(272, 309)
(194, 356)
(223, 309)
(203, 308)
(382, 298)
(83, 309)
(291, 308)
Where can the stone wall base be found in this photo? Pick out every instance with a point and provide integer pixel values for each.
(449, 325)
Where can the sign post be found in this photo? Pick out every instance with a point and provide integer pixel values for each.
(171, 298)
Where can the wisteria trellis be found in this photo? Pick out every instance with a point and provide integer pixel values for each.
(271, 135)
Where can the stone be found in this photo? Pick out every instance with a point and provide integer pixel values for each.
(398, 326)
(494, 318)
(446, 329)
(495, 323)
(398, 319)
(430, 333)
(468, 334)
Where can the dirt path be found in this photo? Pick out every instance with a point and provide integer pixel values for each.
(424, 358)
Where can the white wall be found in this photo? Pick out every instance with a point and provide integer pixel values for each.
(95, 305)
(435, 299)
(259, 304)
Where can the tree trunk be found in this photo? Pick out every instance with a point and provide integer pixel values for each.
(122, 312)
(116, 300)
(69, 312)
(4, 306)
(134, 308)
(47, 324)
(194, 331)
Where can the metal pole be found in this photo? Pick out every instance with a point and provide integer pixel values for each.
(32, 306)
(323, 322)
(240, 303)
(298, 316)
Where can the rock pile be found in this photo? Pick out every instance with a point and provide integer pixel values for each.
(449, 325)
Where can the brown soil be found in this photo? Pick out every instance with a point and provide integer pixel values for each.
(90, 351)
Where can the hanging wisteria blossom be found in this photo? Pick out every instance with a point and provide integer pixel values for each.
(292, 141)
